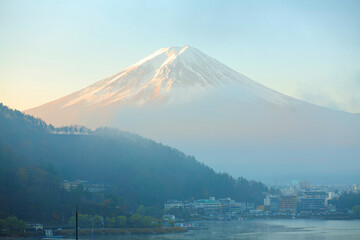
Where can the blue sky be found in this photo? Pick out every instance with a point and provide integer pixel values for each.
(306, 49)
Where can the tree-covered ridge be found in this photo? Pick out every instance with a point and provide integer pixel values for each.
(18, 117)
(35, 158)
(347, 201)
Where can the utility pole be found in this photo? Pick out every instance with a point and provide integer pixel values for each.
(77, 223)
(92, 228)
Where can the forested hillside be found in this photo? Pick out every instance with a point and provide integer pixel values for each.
(35, 158)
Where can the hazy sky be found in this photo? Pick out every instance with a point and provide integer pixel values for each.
(306, 49)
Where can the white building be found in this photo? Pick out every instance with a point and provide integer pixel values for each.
(173, 204)
(207, 204)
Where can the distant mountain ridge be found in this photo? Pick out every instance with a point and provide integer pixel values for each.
(187, 99)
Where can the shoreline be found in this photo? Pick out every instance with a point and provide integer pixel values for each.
(111, 231)
(275, 217)
(97, 231)
(70, 233)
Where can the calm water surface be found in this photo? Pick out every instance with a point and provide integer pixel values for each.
(293, 229)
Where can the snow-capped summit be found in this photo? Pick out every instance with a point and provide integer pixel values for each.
(174, 74)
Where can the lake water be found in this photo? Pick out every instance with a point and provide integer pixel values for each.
(293, 229)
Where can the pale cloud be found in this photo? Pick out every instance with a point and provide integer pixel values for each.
(343, 95)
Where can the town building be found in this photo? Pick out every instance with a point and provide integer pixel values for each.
(36, 226)
(271, 202)
(168, 217)
(303, 185)
(97, 187)
(84, 185)
(207, 204)
(312, 201)
(226, 206)
(173, 204)
(72, 185)
(288, 203)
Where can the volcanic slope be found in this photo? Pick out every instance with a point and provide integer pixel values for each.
(184, 98)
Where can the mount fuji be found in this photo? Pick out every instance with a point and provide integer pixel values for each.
(183, 97)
